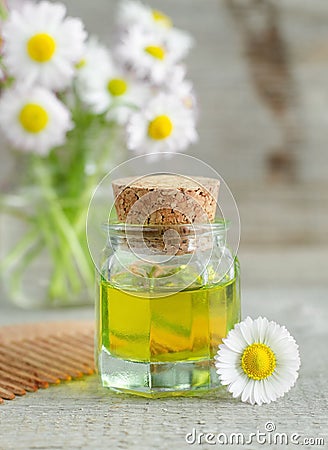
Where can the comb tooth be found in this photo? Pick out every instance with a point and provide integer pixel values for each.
(69, 342)
(65, 356)
(49, 357)
(32, 366)
(72, 348)
(84, 340)
(84, 353)
(14, 388)
(18, 354)
(14, 370)
(67, 351)
(27, 385)
(41, 378)
(7, 395)
(10, 375)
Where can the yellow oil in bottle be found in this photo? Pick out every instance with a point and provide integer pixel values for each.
(185, 326)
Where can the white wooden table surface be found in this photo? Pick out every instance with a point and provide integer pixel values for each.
(83, 415)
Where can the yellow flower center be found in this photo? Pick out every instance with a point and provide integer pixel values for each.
(258, 361)
(41, 47)
(158, 16)
(33, 118)
(155, 51)
(117, 87)
(160, 128)
(80, 64)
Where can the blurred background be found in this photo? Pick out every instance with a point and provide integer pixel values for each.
(260, 70)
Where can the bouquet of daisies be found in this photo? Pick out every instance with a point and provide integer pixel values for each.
(66, 101)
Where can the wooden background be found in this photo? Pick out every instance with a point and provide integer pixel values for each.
(260, 72)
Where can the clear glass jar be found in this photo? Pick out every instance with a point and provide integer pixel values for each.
(161, 314)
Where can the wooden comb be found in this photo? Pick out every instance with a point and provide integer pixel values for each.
(36, 355)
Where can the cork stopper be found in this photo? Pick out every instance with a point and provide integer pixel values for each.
(166, 199)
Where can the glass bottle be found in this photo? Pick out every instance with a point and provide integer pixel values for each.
(162, 314)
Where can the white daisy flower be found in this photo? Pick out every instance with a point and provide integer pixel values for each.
(180, 40)
(109, 89)
(164, 124)
(134, 12)
(33, 119)
(131, 13)
(41, 45)
(148, 54)
(96, 56)
(177, 84)
(259, 361)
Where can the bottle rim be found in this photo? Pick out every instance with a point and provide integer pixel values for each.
(117, 228)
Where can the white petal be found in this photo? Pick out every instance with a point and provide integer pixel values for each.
(269, 390)
(256, 392)
(237, 387)
(245, 396)
(235, 340)
(246, 332)
(229, 356)
(228, 375)
(259, 327)
(263, 392)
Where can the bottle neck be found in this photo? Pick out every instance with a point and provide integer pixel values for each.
(168, 240)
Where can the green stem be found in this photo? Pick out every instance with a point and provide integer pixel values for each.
(61, 264)
(58, 218)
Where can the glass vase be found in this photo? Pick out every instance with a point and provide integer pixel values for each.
(45, 260)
